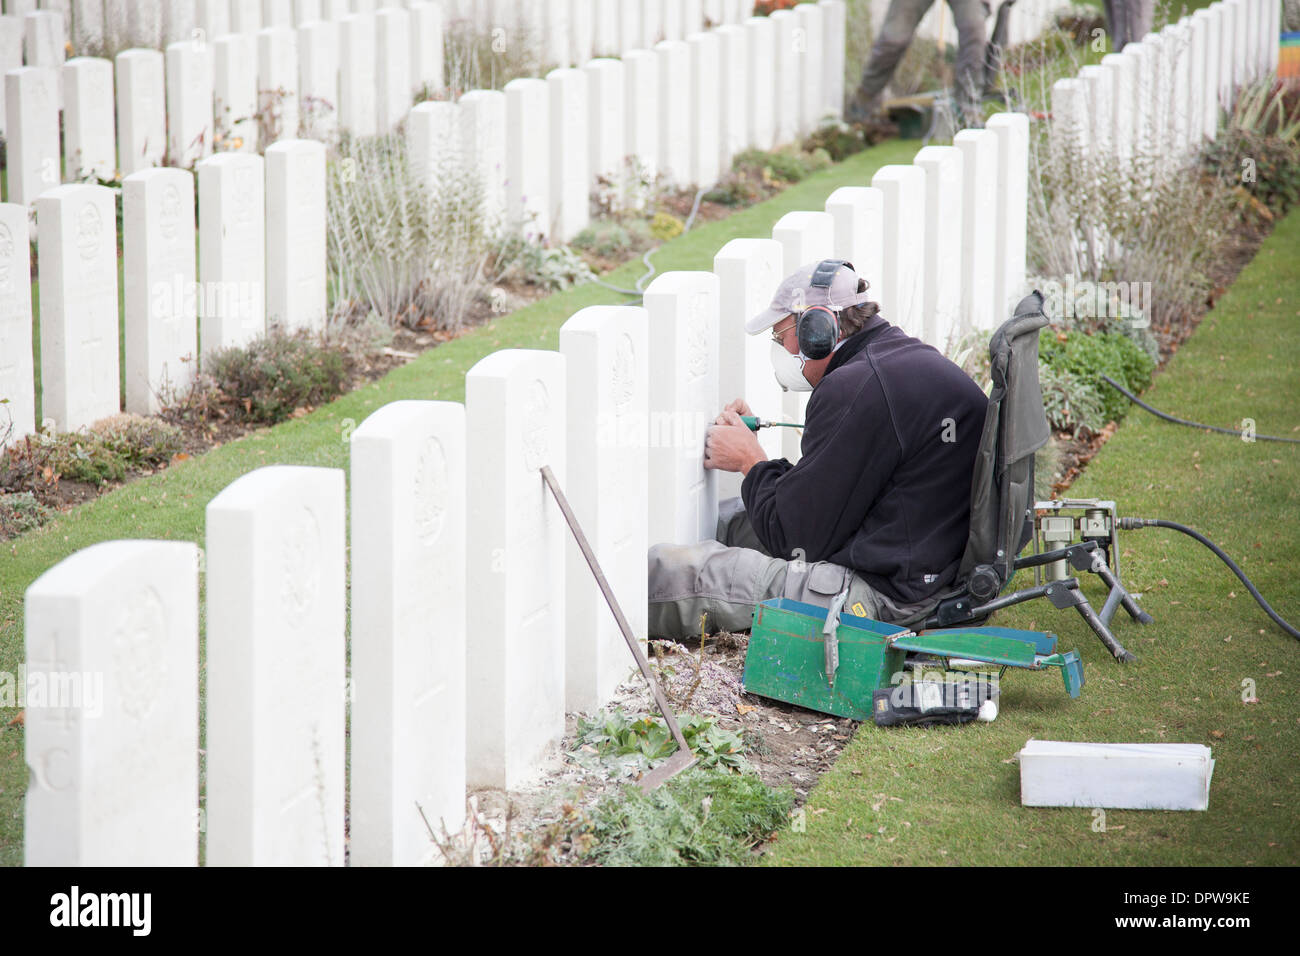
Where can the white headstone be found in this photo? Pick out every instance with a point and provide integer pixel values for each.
(245, 16)
(556, 20)
(515, 423)
(528, 169)
(733, 94)
(276, 691)
(33, 135)
(606, 356)
(234, 91)
(11, 54)
(581, 31)
(88, 37)
(112, 645)
(748, 271)
(44, 44)
(17, 369)
(306, 11)
(672, 19)
(858, 213)
(692, 17)
(213, 18)
(834, 36)
(606, 100)
(277, 82)
(426, 47)
(189, 102)
(393, 62)
(629, 25)
(762, 57)
(570, 179)
(941, 295)
(117, 25)
(979, 228)
(605, 34)
(652, 23)
(1012, 130)
(145, 22)
(77, 236)
(277, 13)
(810, 60)
(704, 133)
(318, 79)
(159, 291)
(357, 75)
(295, 235)
(232, 247)
(408, 631)
(674, 63)
(1122, 83)
(785, 74)
(179, 22)
(141, 110)
(483, 145)
(641, 110)
(1227, 54)
(1209, 25)
(433, 142)
(683, 313)
(902, 286)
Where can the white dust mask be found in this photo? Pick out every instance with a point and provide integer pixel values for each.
(789, 370)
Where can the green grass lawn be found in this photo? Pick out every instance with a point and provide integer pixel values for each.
(950, 796)
(170, 504)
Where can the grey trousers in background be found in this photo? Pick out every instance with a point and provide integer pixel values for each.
(896, 34)
(723, 580)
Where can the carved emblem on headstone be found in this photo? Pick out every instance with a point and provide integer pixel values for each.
(430, 491)
(623, 375)
(170, 213)
(90, 230)
(140, 652)
(697, 336)
(301, 569)
(535, 437)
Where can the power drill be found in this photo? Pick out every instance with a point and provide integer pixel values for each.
(754, 423)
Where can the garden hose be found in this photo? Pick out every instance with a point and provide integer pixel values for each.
(639, 291)
(1132, 524)
(1181, 421)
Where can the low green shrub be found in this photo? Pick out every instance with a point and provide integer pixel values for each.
(1087, 357)
(21, 512)
(105, 452)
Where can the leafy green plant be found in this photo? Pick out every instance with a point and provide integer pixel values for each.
(1087, 357)
(614, 240)
(21, 512)
(1070, 401)
(105, 452)
(612, 733)
(1257, 153)
(700, 818)
(553, 268)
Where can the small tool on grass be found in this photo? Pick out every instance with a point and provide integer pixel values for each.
(683, 759)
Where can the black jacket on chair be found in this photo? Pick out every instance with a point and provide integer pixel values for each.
(884, 482)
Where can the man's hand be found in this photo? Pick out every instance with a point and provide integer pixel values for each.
(730, 445)
(739, 406)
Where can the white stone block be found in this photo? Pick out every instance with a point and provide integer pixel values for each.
(515, 423)
(357, 75)
(581, 31)
(88, 27)
(408, 631)
(606, 100)
(979, 228)
(605, 32)
(785, 74)
(306, 11)
(112, 645)
(277, 82)
(483, 146)
(276, 688)
(318, 79)
(692, 16)
(433, 142)
(1122, 108)
(674, 163)
(858, 213)
(17, 369)
(189, 102)
(941, 295)
(232, 250)
(77, 236)
(570, 179)
(296, 275)
(748, 271)
(683, 313)
(902, 287)
(32, 112)
(652, 23)
(245, 16)
(234, 91)
(606, 355)
(1209, 26)
(44, 44)
(528, 169)
(145, 23)
(641, 91)
(213, 18)
(158, 277)
(1012, 130)
(733, 94)
(179, 21)
(556, 22)
(277, 13)
(629, 25)
(670, 19)
(426, 47)
(705, 128)
(762, 56)
(11, 54)
(1057, 773)
(834, 34)
(393, 62)
(1100, 97)
(141, 110)
(805, 238)
(810, 61)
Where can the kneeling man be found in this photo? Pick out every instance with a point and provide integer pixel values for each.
(879, 502)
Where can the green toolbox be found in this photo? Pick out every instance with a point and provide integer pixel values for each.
(831, 662)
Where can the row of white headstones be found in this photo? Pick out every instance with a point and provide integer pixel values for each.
(339, 67)
(474, 626)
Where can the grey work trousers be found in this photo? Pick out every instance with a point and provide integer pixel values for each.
(895, 36)
(723, 580)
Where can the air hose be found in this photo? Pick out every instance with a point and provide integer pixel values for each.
(1132, 524)
(1182, 421)
(639, 291)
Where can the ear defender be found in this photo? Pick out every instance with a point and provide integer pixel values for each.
(818, 326)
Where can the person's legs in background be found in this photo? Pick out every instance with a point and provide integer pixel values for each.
(895, 36)
(972, 38)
